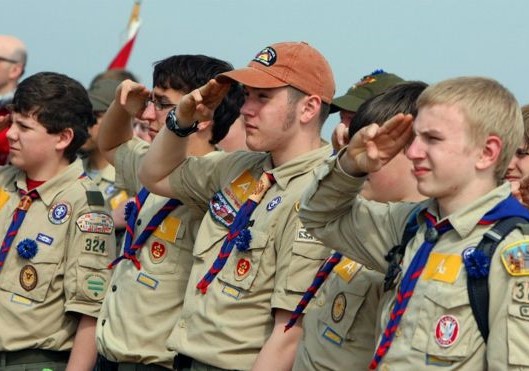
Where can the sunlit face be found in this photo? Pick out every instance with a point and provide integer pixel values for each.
(268, 119)
(444, 160)
(157, 108)
(30, 146)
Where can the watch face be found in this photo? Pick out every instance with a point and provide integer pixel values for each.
(172, 124)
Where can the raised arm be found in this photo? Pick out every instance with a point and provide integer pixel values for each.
(116, 127)
(168, 150)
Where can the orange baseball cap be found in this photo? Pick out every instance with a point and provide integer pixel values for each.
(295, 64)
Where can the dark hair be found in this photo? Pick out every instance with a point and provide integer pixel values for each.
(118, 74)
(400, 98)
(186, 73)
(57, 102)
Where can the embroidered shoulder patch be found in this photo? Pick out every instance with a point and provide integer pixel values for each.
(515, 258)
(95, 223)
(221, 210)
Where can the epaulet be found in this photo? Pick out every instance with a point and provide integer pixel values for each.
(94, 197)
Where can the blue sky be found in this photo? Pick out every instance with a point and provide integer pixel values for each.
(427, 40)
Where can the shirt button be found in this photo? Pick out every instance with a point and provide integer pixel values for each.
(320, 302)
(398, 332)
(138, 222)
(182, 323)
(103, 322)
(114, 288)
(384, 367)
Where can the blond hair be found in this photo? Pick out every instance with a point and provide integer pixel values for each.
(488, 108)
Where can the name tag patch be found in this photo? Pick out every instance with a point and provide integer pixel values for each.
(95, 223)
(515, 258)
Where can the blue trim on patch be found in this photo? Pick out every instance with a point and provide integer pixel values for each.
(44, 238)
(332, 336)
(147, 281)
(272, 204)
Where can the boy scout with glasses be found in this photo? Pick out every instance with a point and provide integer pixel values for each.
(466, 132)
(58, 238)
(149, 280)
(252, 259)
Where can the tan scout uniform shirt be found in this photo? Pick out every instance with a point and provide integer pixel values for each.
(141, 308)
(228, 325)
(339, 332)
(438, 327)
(105, 180)
(39, 297)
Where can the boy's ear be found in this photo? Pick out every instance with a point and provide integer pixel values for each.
(310, 109)
(64, 138)
(490, 153)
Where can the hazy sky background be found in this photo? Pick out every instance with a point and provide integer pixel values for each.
(427, 40)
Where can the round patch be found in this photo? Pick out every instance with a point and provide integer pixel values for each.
(272, 204)
(60, 212)
(157, 252)
(28, 277)
(446, 331)
(468, 252)
(242, 269)
(94, 286)
(338, 307)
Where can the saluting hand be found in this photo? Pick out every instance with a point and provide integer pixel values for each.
(200, 104)
(373, 146)
(131, 96)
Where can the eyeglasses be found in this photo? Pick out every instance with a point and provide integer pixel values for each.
(159, 106)
(521, 152)
(3, 59)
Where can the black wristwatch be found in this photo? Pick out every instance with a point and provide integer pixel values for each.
(172, 124)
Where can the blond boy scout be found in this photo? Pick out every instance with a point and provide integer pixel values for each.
(234, 317)
(147, 291)
(339, 332)
(466, 132)
(53, 274)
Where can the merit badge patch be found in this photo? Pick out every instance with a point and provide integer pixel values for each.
(338, 307)
(442, 267)
(28, 277)
(221, 210)
(242, 269)
(241, 188)
(94, 286)
(272, 204)
(59, 212)
(44, 238)
(168, 229)
(4, 197)
(158, 252)
(346, 269)
(515, 258)
(446, 331)
(95, 223)
(266, 57)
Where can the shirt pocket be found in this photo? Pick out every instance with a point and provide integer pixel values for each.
(307, 258)
(342, 305)
(241, 269)
(92, 277)
(35, 276)
(517, 330)
(445, 327)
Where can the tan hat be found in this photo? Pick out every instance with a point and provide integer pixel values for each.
(295, 64)
(102, 93)
(367, 87)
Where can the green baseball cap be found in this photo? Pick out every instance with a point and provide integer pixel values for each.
(102, 93)
(369, 86)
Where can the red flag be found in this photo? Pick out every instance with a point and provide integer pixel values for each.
(121, 59)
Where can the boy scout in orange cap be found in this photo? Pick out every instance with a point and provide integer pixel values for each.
(252, 257)
(58, 241)
(465, 134)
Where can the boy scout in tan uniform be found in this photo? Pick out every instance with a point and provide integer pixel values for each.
(145, 298)
(53, 273)
(340, 331)
(432, 324)
(234, 316)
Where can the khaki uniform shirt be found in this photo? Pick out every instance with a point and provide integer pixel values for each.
(227, 326)
(339, 332)
(105, 180)
(141, 308)
(40, 296)
(438, 327)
